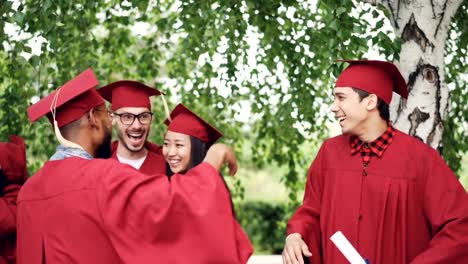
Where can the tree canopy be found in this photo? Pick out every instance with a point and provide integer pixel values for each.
(260, 70)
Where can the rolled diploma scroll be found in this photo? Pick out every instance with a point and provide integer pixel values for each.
(346, 248)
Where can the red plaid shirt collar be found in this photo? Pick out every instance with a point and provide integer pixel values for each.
(374, 148)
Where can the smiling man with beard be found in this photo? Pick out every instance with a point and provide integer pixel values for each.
(81, 209)
(132, 118)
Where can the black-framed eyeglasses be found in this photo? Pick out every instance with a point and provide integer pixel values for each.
(128, 118)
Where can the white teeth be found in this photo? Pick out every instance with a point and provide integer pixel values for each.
(173, 162)
(135, 136)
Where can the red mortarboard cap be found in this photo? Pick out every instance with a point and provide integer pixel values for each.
(376, 77)
(73, 100)
(128, 93)
(187, 122)
(13, 159)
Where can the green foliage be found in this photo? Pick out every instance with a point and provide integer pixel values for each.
(455, 137)
(264, 223)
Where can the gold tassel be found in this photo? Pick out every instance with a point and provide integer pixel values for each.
(58, 135)
(166, 108)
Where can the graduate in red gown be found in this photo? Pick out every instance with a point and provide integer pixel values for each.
(81, 209)
(132, 118)
(13, 174)
(186, 142)
(391, 195)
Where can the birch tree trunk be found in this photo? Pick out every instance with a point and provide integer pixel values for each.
(422, 26)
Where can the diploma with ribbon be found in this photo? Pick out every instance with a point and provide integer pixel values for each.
(347, 249)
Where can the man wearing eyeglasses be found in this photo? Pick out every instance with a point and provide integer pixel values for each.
(132, 118)
(82, 209)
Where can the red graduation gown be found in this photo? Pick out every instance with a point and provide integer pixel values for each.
(100, 211)
(8, 223)
(154, 162)
(410, 208)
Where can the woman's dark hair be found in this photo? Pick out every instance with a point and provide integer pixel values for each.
(197, 154)
(381, 105)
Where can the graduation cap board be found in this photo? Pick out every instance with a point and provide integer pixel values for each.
(185, 121)
(128, 93)
(68, 103)
(376, 77)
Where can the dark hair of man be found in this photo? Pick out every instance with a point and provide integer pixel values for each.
(71, 127)
(381, 105)
(197, 154)
(68, 129)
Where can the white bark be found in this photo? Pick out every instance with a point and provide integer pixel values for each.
(422, 26)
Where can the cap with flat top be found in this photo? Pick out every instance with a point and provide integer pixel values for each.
(187, 122)
(69, 102)
(128, 93)
(375, 77)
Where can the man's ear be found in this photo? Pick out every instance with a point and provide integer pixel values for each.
(372, 101)
(92, 118)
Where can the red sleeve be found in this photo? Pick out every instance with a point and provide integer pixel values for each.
(446, 209)
(306, 219)
(8, 209)
(244, 247)
(149, 218)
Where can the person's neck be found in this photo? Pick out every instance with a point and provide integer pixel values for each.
(125, 153)
(373, 130)
(86, 145)
(82, 137)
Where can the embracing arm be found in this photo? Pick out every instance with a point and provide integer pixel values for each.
(148, 217)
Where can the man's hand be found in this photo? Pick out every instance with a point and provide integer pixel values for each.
(295, 249)
(219, 154)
